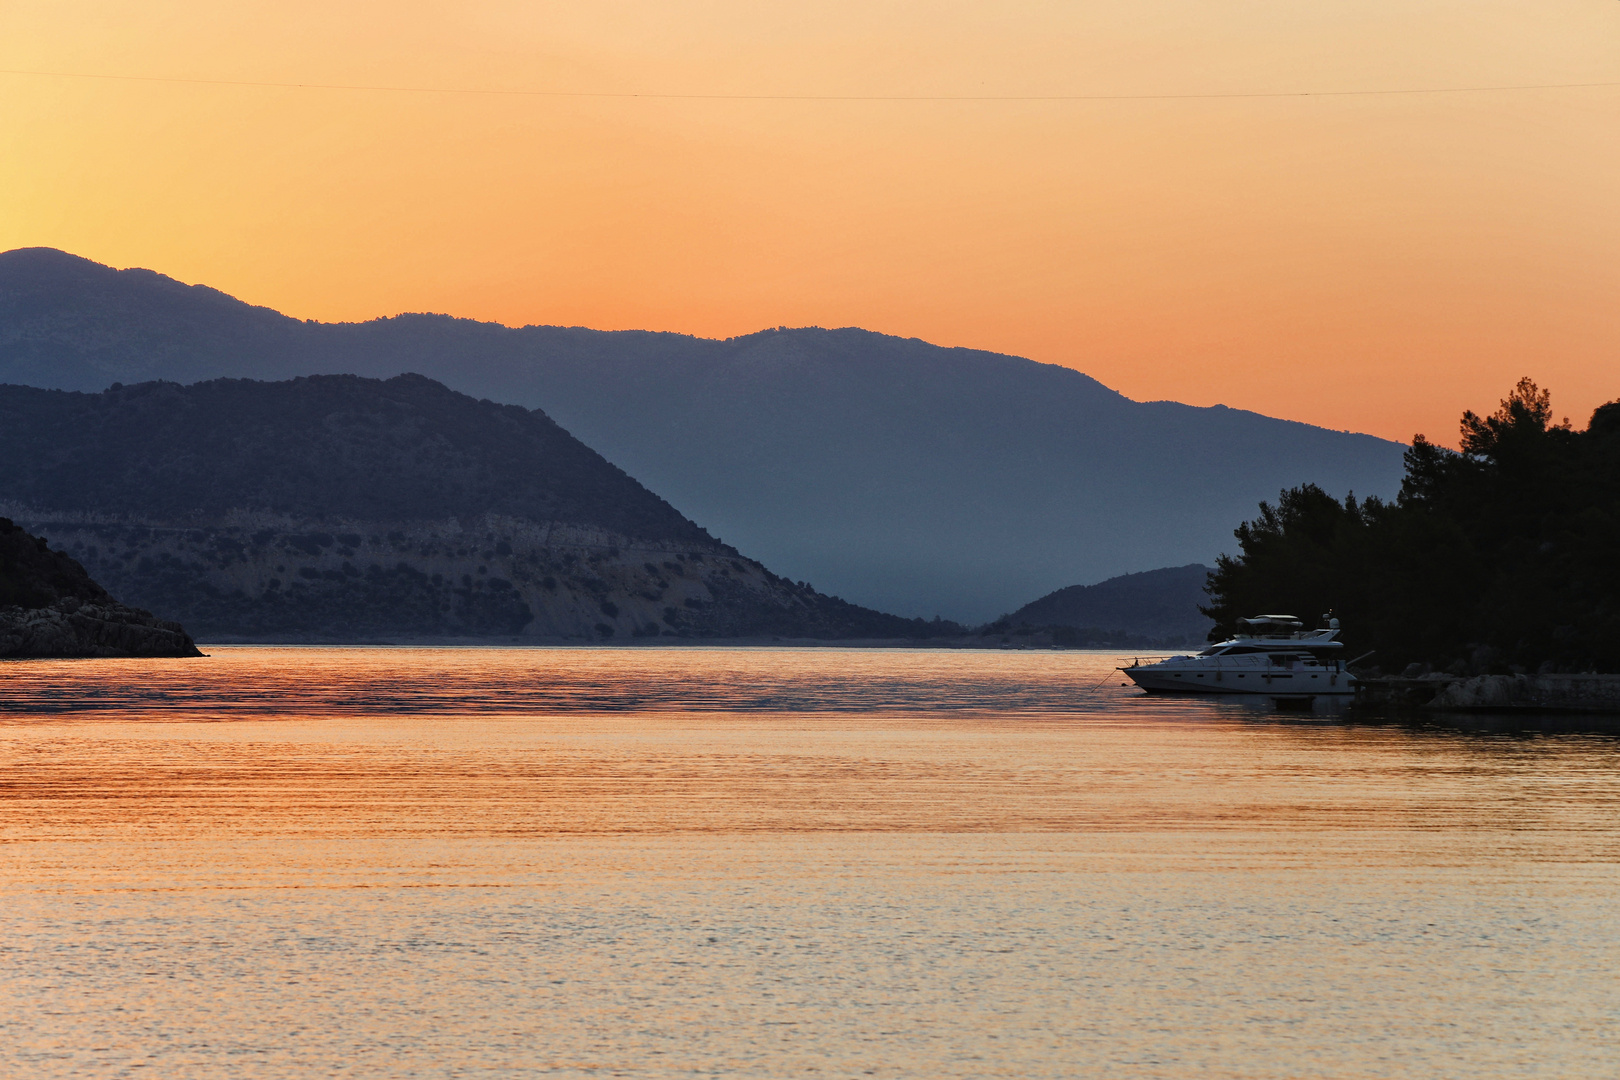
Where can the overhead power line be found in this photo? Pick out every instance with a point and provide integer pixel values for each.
(660, 96)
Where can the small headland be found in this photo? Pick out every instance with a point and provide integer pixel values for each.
(1488, 585)
(336, 509)
(50, 607)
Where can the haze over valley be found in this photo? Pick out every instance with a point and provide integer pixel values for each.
(897, 474)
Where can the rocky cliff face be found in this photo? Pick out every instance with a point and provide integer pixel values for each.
(336, 508)
(50, 606)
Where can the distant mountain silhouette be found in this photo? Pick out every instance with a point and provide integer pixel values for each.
(1157, 605)
(908, 476)
(335, 507)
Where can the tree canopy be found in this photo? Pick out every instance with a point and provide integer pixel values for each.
(1502, 555)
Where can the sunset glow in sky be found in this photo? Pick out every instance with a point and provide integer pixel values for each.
(1375, 262)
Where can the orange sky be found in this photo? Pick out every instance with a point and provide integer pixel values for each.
(1373, 263)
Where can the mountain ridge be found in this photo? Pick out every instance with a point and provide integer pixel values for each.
(908, 476)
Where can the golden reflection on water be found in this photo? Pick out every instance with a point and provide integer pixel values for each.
(754, 862)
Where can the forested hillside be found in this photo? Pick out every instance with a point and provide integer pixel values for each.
(1504, 556)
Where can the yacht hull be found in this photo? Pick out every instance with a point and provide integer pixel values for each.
(1155, 680)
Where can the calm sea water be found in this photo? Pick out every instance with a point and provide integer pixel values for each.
(779, 863)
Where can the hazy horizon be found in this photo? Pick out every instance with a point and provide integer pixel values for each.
(1362, 216)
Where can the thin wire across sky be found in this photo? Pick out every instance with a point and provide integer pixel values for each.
(666, 96)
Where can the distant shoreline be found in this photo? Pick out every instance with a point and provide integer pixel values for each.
(404, 642)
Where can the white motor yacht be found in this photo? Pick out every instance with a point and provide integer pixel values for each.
(1270, 654)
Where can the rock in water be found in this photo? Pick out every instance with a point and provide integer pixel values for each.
(49, 606)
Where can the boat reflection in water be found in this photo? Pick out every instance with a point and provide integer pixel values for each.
(1271, 654)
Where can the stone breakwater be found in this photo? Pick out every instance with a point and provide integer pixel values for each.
(1588, 693)
(71, 628)
(1556, 693)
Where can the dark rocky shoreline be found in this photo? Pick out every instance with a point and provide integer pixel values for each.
(70, 628)
(50, 607)
(1523, 693)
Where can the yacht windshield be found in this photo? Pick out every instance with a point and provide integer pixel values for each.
(1272, 626)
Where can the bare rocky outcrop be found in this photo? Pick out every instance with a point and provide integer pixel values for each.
(50, 607)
